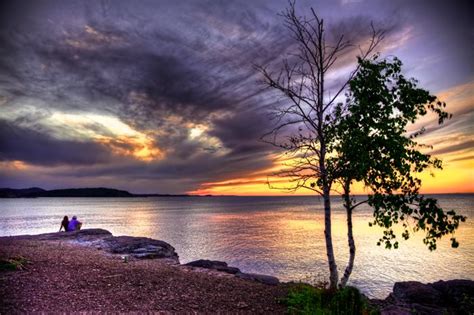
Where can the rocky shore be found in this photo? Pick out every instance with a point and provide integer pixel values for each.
(93, 271)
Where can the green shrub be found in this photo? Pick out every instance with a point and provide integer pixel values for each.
(306, 299)
(15, 263)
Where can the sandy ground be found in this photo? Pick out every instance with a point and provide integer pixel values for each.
(62, 277)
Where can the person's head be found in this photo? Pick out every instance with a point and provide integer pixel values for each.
(65, 218)
(74, 218)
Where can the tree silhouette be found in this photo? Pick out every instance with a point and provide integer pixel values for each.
(332, 145)
(304, 126)
(373, 148)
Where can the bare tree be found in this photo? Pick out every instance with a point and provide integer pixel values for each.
(303, 126)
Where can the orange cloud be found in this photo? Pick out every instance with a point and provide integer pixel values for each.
(108, 130)
(13, 165)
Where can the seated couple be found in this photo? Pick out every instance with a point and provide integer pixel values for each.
(73, 225)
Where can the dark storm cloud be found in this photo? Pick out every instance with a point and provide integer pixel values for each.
(113, 54)
(241, 132)
(106, 59)
(144, 63)
(26, 145)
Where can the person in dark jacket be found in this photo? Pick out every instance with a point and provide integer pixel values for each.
(64, 224)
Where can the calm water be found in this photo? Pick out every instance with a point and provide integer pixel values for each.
(280, 236)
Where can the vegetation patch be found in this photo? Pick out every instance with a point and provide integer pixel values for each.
(12, 264)
(306, 299)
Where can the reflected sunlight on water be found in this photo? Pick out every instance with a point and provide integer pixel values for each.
(281, 236)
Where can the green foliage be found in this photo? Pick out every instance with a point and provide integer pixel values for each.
(306, 299)
(11, 264)
(425, 214)
(373, 147)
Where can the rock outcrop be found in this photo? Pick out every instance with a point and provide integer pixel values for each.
(223, 267)
(259, 278)
(139, 247)
(214, 265)
(126, 246)
(442, 297)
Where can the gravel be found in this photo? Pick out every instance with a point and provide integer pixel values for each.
(63, 277)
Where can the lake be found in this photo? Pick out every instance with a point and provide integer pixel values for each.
(279, 236)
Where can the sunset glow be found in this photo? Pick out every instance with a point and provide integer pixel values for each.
(164, 98)
(453, 143)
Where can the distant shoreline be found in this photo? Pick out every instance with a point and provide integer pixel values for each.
(102, 192)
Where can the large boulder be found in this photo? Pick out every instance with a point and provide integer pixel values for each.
(415, 292)
(393, 309)
(139, 247)
(455, 291)
(442, 297)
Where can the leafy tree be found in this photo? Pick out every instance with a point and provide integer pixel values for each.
(363, 140)
(373, 148)
(304, 125)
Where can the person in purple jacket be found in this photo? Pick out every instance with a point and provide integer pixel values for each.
(74, 224)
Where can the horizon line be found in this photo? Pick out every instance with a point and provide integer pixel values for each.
(231, 195)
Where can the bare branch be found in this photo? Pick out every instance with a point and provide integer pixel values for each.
(301, 123)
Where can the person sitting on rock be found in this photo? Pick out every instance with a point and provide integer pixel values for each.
(64, 224)
(74, 224)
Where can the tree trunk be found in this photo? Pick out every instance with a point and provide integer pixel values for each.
(333, 276)
(350, 236)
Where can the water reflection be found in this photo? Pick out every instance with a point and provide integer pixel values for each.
(281, 236)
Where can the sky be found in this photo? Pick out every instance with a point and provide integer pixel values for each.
(163, 97)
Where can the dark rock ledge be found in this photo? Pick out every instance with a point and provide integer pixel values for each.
(442, 297)
(223, 267)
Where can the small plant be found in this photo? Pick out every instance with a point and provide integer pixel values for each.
(306, 299)
(14, 263)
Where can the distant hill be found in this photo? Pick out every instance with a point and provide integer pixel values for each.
(35, 192)
(86, 192)
(16, 193)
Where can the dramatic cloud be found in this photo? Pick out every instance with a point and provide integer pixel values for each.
(155, 96)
